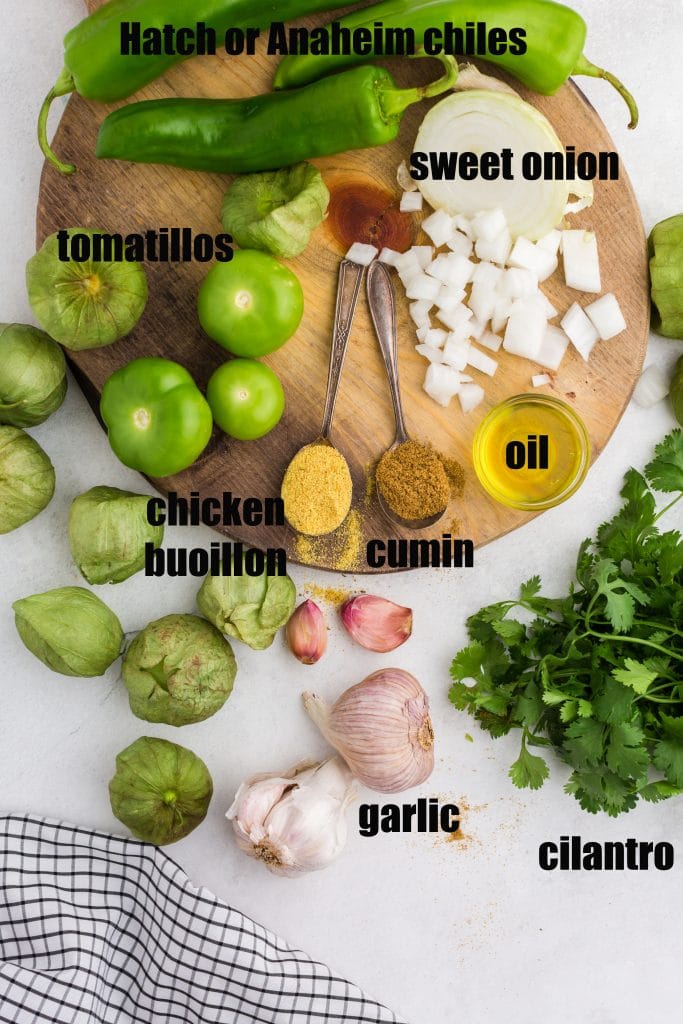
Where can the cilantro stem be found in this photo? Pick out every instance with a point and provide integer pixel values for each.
(667, 507)
(620, 638)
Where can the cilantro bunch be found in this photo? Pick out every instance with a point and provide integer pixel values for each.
(596, 675)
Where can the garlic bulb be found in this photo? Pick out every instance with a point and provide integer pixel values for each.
(306, 633)
(375, 623)
(294, 822)
(382, 729)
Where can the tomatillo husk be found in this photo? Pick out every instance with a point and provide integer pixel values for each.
(249, 608)
(179, 669)
(665, 246)
(32, 375)
(27, 478)
(108, 531)
(70, 630)
(161, 791)
(276, 211)
(676, 391)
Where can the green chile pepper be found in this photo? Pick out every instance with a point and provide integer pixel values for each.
(555, 36)
(358, 108)
(95, 68)
(158, 420)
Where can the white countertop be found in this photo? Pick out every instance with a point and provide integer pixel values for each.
(439, 931)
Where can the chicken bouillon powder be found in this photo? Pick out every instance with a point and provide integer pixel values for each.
(317, 489)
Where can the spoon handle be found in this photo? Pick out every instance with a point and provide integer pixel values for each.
(348, 286)
(383, 312)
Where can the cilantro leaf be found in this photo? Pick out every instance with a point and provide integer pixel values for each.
(668, 752)
(585, 742)
(613, 702)
(626, 754)
(530, 588)
(665, 472)
(636, 675)
(528, 771)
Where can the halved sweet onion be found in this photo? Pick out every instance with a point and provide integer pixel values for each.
(478, 121)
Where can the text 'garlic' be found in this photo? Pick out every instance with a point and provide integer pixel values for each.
(382, 729)
(294, 822)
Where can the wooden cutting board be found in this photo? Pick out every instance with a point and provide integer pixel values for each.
(124, 198)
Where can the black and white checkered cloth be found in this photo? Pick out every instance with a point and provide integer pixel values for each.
(95, 929)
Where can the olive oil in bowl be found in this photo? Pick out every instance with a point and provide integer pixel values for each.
(531, 452)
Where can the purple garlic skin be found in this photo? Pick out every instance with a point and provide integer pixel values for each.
(306, 633)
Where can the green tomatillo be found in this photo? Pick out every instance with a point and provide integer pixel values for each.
(158, 420)
(246, 398)
(251, 305)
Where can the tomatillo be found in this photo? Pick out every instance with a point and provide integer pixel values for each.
(251, 305)
(246, 398)
(158, 420)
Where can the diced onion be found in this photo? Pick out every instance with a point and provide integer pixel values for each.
(490, 340)
(480, 361)
(459, 243)
(580, 330)
(419, 312)
(362, 253)
(539, 380)
(422, 287)
(411, 202)
(424, 254)
(477, 121)
(580, 259)
(606, 316)
(432, 354)
(441, 383)
(439, 226)
(456, 352)
(651, 388)
(389, 256)
(469, 396)
(525, 330)
(553, 348)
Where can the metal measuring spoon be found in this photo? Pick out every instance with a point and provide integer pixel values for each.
(383, 312)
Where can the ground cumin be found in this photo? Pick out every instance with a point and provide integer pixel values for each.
(412, 480)
(317, 489)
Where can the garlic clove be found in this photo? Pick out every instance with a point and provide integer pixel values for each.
(306, 633)
(375, 623)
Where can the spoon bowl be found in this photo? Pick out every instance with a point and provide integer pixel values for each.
(383, 313)
(348, 286)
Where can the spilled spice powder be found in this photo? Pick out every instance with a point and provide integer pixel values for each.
(339, 550)
(413, 481)
(455, 474)
(333, 595)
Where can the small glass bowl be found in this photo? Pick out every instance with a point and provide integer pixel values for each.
(531, 415)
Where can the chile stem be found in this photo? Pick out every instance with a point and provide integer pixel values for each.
(585, 67)
(394, 101)
(62, 87)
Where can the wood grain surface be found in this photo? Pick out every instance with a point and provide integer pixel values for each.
(119, 197)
